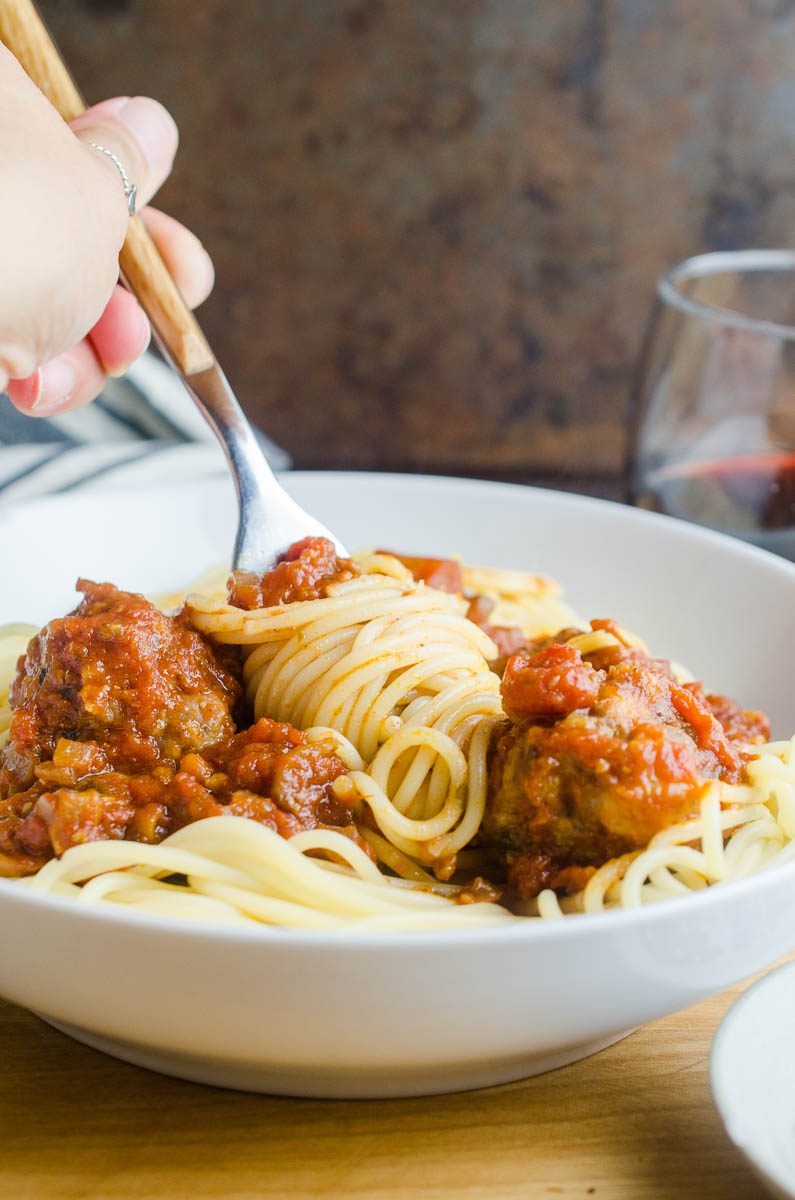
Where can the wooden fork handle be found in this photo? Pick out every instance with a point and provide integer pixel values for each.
(147, 276)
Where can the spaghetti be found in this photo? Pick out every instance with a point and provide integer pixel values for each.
(399, 674)
(235, 869)
(390, 677)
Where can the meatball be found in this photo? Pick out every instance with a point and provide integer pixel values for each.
(119, 672)
(123, 726)
(595, 762)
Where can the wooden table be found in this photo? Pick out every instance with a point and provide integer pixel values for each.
(635, 1122)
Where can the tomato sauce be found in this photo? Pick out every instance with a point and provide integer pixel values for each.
(444, 574)
(597, 759)
(126, 724)
(304, 572)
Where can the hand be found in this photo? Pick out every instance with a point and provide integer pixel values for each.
(65, 321)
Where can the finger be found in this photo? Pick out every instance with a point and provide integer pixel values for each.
(64, 383)
(140, 132)
(121, 334)
(119, 337)
(184, 255)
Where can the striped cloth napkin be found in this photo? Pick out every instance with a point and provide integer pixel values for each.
(142, 429)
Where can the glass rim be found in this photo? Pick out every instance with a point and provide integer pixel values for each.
(720, 262)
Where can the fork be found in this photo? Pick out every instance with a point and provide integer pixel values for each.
(269, 519)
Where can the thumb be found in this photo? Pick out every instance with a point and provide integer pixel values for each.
(140, 133)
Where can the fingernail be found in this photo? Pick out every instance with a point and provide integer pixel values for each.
(110, 107)
(57, 383)
(153, 128)
(206, 272)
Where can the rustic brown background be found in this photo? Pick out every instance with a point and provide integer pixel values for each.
(437, 223)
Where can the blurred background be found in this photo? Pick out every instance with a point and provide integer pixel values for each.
(437, 224)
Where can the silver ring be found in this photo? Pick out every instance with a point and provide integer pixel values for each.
(129, 188)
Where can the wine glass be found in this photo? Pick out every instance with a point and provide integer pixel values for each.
(713, 437)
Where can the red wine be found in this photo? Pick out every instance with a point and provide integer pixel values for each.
(750, 495)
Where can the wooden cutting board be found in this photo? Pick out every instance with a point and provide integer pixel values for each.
(635, 1122)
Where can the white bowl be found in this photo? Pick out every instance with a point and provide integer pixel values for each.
(751, 1074)
(336, 1014)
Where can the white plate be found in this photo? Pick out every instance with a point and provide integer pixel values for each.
(340, 1014)
(751, 1069)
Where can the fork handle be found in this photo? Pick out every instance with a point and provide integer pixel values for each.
(147, 276)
